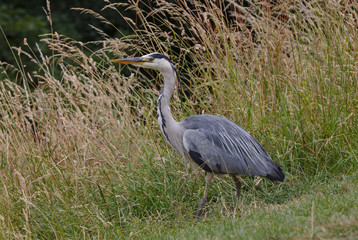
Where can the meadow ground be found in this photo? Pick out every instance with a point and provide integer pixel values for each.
(81, 155)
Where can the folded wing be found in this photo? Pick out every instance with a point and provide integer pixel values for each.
(221, 146)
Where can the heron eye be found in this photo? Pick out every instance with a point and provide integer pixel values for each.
(150, 59)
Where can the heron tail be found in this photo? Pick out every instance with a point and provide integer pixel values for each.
(276, 174)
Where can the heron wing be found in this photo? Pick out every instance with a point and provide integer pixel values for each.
(221, 146)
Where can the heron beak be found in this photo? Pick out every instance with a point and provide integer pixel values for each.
(134, 60)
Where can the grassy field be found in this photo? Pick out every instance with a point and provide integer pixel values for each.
(82, 157)
(328, 212)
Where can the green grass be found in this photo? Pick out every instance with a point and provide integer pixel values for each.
(81, 155)
(318, 208)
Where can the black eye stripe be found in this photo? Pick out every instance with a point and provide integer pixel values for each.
(159, 56)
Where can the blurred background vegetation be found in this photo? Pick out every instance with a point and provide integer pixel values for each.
(28, 20)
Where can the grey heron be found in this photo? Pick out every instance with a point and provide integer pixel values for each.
(215, 144)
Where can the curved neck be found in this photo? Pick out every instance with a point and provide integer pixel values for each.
(164, 98)
(171, 129)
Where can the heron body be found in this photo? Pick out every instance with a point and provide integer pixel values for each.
(215, 144)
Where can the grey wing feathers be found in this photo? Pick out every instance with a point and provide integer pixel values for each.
(221, 146)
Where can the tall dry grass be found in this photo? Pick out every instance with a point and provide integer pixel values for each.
(81, 153)
(285, 71)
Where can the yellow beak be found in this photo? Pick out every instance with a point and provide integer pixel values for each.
(134, 60)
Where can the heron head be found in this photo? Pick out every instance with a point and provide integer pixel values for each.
(156, 61)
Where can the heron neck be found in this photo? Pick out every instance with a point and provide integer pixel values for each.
(164, 98)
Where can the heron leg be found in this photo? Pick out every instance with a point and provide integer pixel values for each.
(208, 177)
(238, 185)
